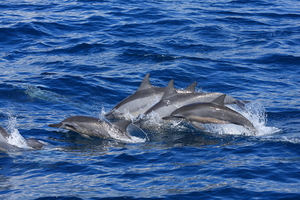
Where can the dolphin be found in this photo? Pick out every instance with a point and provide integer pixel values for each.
(5, 146)
(214, 112)
(94, 127)
(171, 100)
(142, 99)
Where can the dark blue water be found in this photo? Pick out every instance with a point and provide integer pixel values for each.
(65, 58)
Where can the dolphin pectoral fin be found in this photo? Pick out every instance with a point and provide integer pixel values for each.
(85, 136)
(198, 125)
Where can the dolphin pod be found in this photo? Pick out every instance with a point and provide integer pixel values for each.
(167, 102)
(149, 98)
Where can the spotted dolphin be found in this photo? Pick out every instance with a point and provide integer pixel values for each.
(214, 112)
(171, 100)
(94, 127)
(6, 146)
(142, 99)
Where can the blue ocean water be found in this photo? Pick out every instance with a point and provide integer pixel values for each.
(81, 57)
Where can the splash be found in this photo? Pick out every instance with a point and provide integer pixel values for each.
(255, 113)
(102, 113)
(15, 138)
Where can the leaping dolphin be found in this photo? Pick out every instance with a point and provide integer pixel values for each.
(171, 100)
(5, 146)
(142, 99)
(90, 126)
(211, 113)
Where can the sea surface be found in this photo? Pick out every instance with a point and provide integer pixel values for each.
(61, 58)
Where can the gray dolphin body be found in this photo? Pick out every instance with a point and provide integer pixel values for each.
(90, 126)
(5, 146)
(142, 99)
(171, 100)
(211, 113)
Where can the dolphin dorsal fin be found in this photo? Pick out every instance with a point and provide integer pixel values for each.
(145, 83)
(191, 88)
(170, 90)
(219, 100)
(122, 125)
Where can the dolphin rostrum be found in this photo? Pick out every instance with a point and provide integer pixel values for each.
(94, 127)
(171, 100)
(211, 113)
(6, 146)
(142, 99)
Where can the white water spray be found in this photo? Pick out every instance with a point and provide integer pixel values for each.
(15, 138)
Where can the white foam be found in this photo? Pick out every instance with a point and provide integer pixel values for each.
(15, 138)
(288, 139)
(255, 113)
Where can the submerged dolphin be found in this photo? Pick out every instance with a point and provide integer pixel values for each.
(211, 113)
(90, 126)
(5, 146)
(142, 99)
(171, 100)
